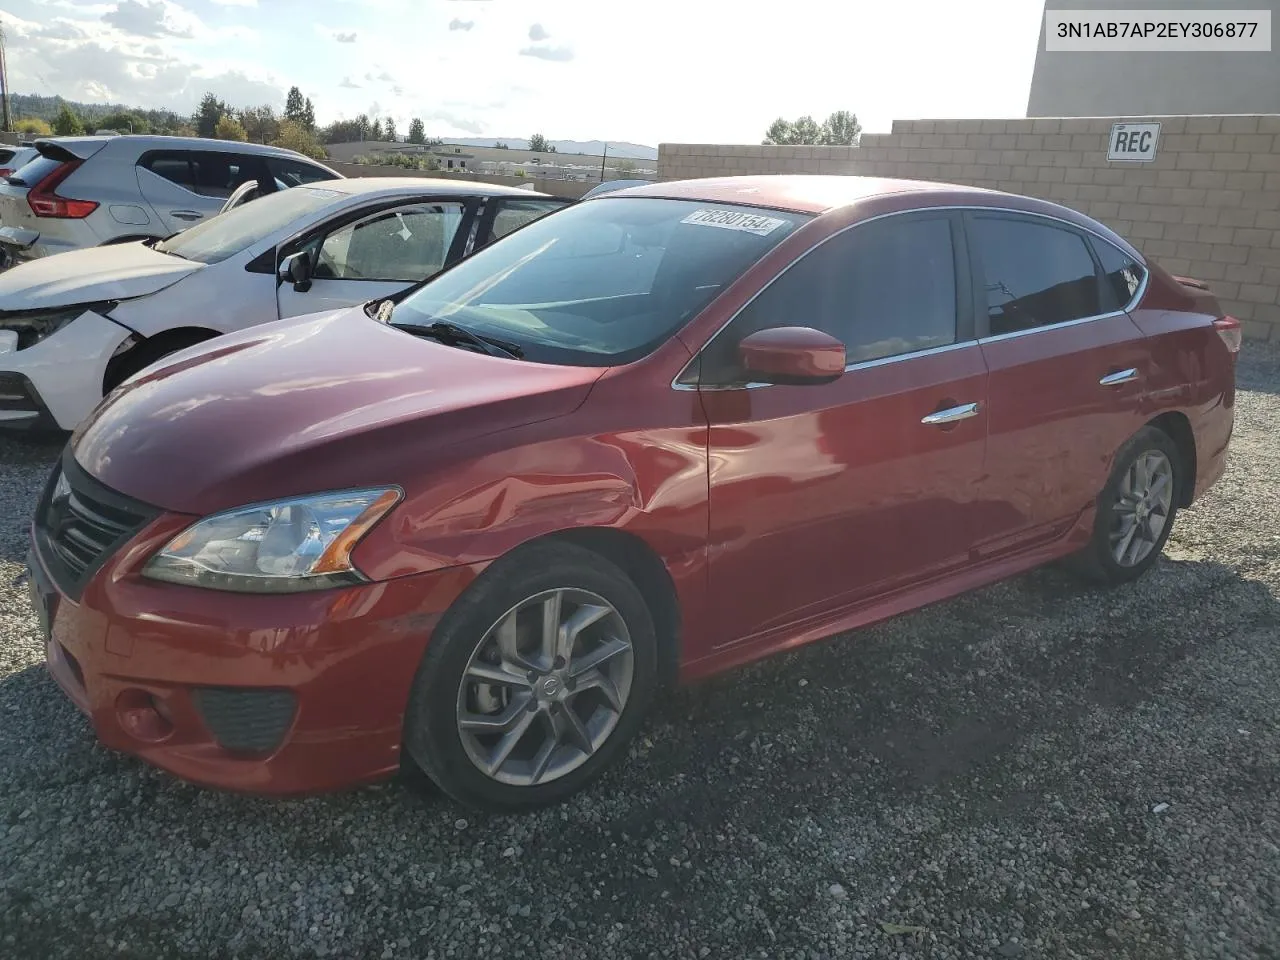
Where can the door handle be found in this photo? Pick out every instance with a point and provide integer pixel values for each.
(185, 214)
(951, 415)
(1119, 377)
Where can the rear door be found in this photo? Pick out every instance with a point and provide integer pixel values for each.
(167, 180)
(377, 254)
(1067, 375)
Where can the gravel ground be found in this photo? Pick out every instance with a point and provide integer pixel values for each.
(1034, 770)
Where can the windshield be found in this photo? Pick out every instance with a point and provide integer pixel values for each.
(228, 233)
(600, 283)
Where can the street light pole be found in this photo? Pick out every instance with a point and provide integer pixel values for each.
(602, 159)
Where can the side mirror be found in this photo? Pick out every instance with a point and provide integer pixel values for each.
(296, 269)
(792, 355)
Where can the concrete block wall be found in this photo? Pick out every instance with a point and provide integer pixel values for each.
(1208, 206)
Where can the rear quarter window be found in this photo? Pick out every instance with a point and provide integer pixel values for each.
(1122, 275)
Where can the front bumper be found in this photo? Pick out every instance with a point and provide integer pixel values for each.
(262, 694)
(57, 382)
(21, 406)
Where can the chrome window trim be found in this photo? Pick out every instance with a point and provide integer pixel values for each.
(1142, 288)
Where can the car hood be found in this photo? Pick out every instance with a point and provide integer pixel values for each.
(116, 272)
(319, 402)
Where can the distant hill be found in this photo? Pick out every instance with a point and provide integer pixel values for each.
(46, 108)
(634, 151)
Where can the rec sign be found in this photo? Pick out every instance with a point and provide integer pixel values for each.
(1133, 141)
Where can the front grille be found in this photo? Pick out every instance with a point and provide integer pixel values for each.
(246, 720)
(80, 523)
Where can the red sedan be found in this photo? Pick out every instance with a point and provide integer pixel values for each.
(653, 436)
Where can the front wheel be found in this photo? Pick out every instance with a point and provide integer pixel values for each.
(534, 681)
(1136, 510)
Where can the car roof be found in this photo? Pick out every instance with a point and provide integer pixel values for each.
(397, 185)
(146, 141)
(802, 193)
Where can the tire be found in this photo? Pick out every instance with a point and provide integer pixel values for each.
(1099, 561)
(447, 702)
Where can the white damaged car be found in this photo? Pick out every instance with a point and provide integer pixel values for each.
(75, 325)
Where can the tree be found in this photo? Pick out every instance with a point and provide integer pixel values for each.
(124, 122)
(363, 127)
(33, 127)
(260, 123)
(309, 115)
(207, 115)
(841, 129)
(538, 143)
(229, 128)
(389, 128)
(499, 145)
(295, 107)
(294, 136)
(375, 131)
(67, 124)
(341, 131)
(417, 133)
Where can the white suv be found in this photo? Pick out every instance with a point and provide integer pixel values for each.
(87, 191)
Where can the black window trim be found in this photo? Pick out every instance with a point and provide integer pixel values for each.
(966, 301)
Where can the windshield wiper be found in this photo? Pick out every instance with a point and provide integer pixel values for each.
(454, 335)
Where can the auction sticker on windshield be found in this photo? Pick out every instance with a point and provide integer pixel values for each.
(761, 226)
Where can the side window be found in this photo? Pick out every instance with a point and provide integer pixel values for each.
(513, 214)
(218, 174)
(174, 166)
(408, 243)
(1036, 274)
(294, 173)
(884, 289)
(1121, 274)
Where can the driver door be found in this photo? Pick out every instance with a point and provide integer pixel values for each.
(376, 256)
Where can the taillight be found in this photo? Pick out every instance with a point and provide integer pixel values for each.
(5, 171)
(1229, 330)
(45, 203)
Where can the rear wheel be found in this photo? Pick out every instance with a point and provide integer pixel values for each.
(534, 681)
(1136, 510)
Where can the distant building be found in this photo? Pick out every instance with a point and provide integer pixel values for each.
(1071, 84)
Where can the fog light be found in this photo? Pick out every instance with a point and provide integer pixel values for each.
(143, 716)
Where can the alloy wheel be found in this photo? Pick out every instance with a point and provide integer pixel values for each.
(1142, 507)
(545, 687)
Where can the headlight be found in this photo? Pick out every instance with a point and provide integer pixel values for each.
(285, 546)
(32, 326)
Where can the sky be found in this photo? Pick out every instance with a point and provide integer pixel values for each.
(703, 71)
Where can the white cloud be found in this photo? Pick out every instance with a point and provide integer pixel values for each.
(456, 24)
(544, 52)
(152, 18)
(347, 84)
(538, 32)
(345, 36)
